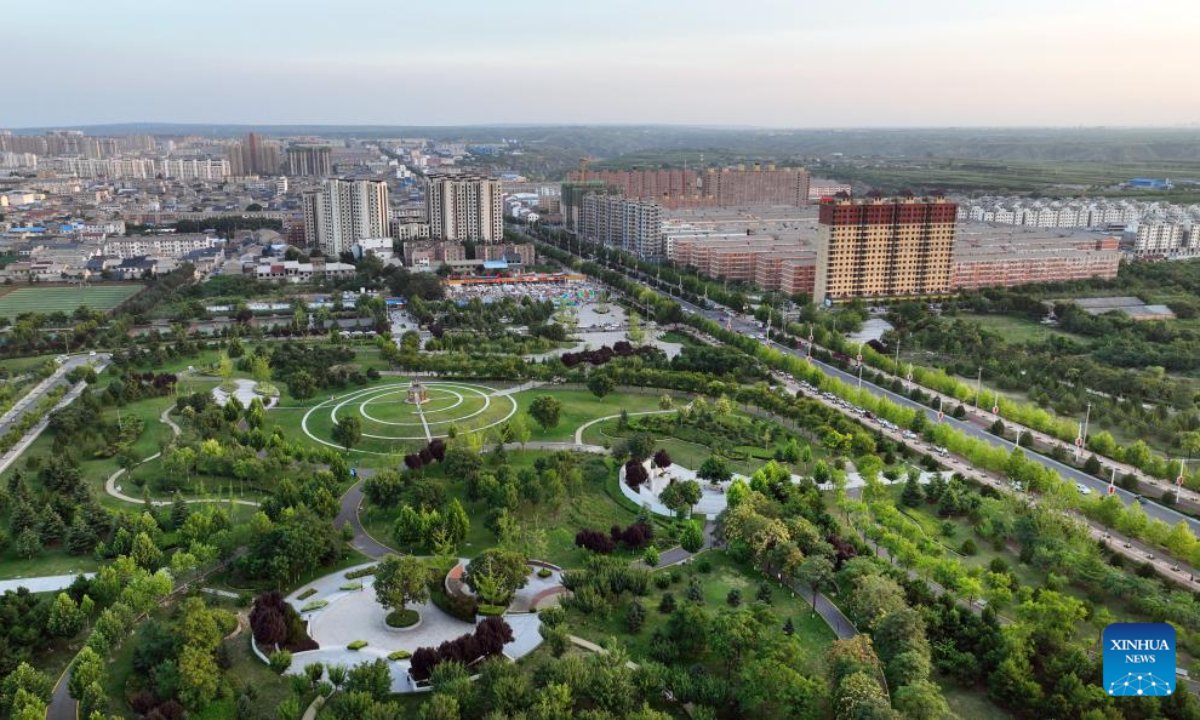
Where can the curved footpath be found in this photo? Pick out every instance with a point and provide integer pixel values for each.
(111, 488)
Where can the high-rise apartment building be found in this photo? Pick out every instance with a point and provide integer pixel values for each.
(884, 247)
(310, 160)
(254, 156)
(343, 212)
(725, 187)
(635, 226)
(465, 207)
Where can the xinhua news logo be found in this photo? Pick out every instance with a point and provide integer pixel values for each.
(1139, 659)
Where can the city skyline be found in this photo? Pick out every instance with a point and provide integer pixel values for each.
(769, 64)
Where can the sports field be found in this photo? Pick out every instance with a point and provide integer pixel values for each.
(64, 299)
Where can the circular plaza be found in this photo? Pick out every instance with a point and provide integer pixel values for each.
(409, 413)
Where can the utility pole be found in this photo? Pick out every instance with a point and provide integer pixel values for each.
(1086, 417)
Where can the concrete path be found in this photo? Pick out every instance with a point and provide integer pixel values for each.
(113, 490)
(348, 515)
(589, 423)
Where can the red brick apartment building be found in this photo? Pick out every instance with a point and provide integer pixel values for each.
(726, 187)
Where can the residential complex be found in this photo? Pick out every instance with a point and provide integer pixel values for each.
(724, 187)
(884, 247)
(310, 160)
(254, 156)
(631, 225)
(991, 256)
(465, 207)
(343, 212)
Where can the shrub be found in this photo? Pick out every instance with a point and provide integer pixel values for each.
(650, 557)
(662, 581)
(399, 655)
(351, 586)
(307, 594)
(491, 610)
(704, 565)
(314, 605)
(544, 573)
(363, 572)
(553, 616)
(969, 547)
(667, 604)
(402, 618)
(357, 645)
(280, 661)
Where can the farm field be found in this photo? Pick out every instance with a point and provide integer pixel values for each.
(64, 299)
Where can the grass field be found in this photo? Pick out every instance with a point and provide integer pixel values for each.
(64, 299)
(580, 406)
(1019, 330)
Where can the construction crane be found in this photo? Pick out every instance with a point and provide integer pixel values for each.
(583, 163)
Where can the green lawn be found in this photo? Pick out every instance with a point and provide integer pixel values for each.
(64, 299)
(580, 406)
(1019, 330)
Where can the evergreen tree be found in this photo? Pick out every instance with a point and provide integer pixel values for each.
(80, 538)
(179, 511)
(912, 496)
(789, 628)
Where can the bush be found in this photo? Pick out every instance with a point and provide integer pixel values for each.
(544, 573)
(491, 610)
(280, 661)
(357, 645)
(402, 618)
(399, 655)
(704, 565)
(553, 616)
(348, 587)
(968, 547)
(667, 604)
(307, 594)
(314, 605)
(356, 574)
(651, 559)
(662, 581)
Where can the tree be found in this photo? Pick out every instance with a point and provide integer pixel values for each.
(457, 523)
(385, 488)
(692, 537)
(715, 470)
(600, 384)
(681, 496)
(912, 496)
(519, 430)
(199, 677)
(400, 581)
(635, 616)
(641, 446)
(87, 669)
(545, 410)
(816, 572)
(66, 619)
(347, 432)
(495, 574)
(922, 699)
(662, 459)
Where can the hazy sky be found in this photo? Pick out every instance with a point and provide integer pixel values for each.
(789, 63)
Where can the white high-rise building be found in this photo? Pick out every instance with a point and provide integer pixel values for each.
(343, 212)
(632, 225)
(465, 207)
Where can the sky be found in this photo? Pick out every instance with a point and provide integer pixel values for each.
(770, 63)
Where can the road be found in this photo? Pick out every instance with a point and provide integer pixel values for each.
(38, 392)
(1153, 510)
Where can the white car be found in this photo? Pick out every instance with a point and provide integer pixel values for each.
(1083, 489)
